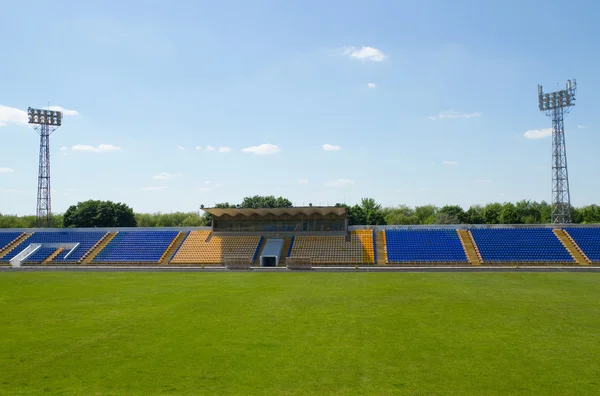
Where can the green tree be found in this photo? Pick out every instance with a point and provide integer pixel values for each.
(509, 214)
(426, 214)
(475, 215)
(446, 218)
(372, 212)
(356, 215)
(401, 215)
(99, 214)
(259, 201)
(454, 211)
(590, 214)
(491, 213)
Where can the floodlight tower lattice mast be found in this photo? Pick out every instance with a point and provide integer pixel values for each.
(556, 105)
(44, 122)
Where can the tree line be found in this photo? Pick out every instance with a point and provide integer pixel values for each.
(367, 212)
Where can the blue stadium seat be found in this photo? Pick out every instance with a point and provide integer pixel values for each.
(86, 241)
(424, 245)
(520, 245)
(136, 247)
(588, 240)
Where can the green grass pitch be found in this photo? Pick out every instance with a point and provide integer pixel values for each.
(299, 333)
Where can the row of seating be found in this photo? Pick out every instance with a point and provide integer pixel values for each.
(522, 244)
(40, 255)
(81, 242)
(336, 249)
(136, 246)
(411, 245)
(200, 247)
(588, 239)
(426, 245)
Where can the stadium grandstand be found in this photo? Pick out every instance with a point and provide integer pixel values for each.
(319, 236)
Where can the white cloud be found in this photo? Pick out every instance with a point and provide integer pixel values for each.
(102, 148)
(451, 163)
(205, 189)
(580, 126)
(263, 149)
(331, 147)
(199, 148)
(181, 148)
(364, 54)
(207, 182)
(11, 115)
(209, 148)
(303, 181)
(538, 133)
(482, 181)
(224, 149)
(339, 183)
(218, 185)
(66, 112)
(424, 189)
(155, 188)
(6, 170)
(64, 148)
(166, 176)
(451, 114)
(372, 85)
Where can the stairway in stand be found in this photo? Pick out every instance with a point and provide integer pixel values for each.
(53, 256)
(173, 248)
(382, 258)
(284, 252)
(263, 243)
(471, 251)
(574, 250)
(91, 255)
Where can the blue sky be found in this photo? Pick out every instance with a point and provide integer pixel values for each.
(418, 102)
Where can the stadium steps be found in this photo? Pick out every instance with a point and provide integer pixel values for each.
(574, 250)
(49, 259)
(91, 255)
(8, 248)
(466, 239)
(381, 248)
(263, 243)
(173, 248)
(284, 252)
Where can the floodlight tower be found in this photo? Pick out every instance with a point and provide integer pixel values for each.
(44, 122)
(556, 105)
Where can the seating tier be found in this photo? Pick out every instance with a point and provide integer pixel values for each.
(588, 239)
(85, 240)
(335, 249)
(40, 255)
(7, 237)
(520, 245)
(424, 245)
(136, 247)
(202, 248)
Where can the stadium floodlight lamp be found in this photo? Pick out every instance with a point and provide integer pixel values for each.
(44, 117)
(564, 98)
